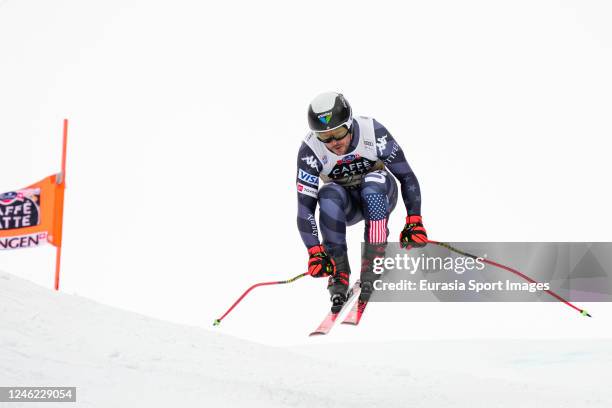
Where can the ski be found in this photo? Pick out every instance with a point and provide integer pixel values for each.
(329, 320)
(354, 316)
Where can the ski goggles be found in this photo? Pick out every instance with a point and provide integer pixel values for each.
(328, 136)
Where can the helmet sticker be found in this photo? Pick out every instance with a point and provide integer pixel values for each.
(325, 117)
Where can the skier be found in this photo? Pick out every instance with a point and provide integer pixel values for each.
(350, 155)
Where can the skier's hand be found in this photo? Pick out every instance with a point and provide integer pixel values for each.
(413, 234)
(320, 263)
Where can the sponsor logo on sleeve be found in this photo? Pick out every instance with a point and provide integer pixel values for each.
(311, 161)
(381, 143)
(308, 178)
(393, 154)
(309, 191)
(313, 225)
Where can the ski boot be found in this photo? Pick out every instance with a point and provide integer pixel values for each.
(338, 282)
(368, 254)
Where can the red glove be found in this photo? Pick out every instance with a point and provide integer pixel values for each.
(320, 263)
(413, 234)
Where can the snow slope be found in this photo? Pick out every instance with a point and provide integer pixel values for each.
(121, 359)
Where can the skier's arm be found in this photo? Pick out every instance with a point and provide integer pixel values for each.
(392, 155)
(307, 183)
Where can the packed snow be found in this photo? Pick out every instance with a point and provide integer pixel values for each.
(117, 358)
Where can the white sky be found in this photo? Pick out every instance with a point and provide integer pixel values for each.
(186, 118)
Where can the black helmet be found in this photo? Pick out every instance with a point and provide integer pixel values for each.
(329, 111)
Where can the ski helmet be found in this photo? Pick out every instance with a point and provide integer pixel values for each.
(329, 111)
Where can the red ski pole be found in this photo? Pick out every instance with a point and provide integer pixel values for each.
(514, 271)
(218, 321)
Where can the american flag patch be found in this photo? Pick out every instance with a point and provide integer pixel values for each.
(376, 213)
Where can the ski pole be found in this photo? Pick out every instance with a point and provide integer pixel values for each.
(218, 321)
(514, 271)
